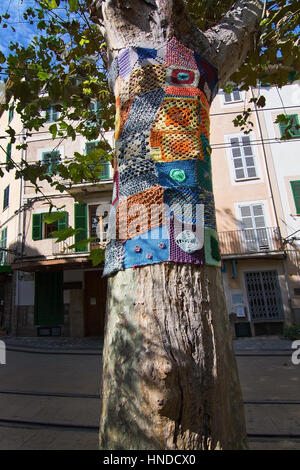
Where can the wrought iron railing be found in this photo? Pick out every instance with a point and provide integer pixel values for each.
(65, 247)
(242, 242)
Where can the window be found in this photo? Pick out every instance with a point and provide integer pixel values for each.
(97, 228)
(3, 244)
(296, 193)
(8, 152)
(95, 109)
(234, 95)
(11, 112)
(254, 227)
(41, 230)
(52, 113)
(105, 173)
(6, 197)
(294, 131)
(51, 159)
(243, 158)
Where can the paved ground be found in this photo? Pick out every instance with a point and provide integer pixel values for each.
(49, 393)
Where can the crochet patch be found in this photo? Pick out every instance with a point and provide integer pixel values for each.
(163, 206)
(149, 248)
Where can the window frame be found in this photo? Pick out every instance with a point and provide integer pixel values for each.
(50, 119)
(105, 173)
(3, 244)
(6, 197)
(53, 164)
(243, 157)
(295, 197)
(283, 126)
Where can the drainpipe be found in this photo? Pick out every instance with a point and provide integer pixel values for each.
(273, 204)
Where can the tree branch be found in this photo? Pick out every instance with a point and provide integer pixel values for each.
(233, 37)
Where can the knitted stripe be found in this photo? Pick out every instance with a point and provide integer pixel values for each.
(147, 78)
(176, 253)
(114, 257)
(151, 215)
(135, 146)
(143, 112)
(178, 54)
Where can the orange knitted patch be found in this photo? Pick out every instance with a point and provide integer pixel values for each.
(132, 219)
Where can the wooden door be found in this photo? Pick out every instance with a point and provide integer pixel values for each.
(48, 303)
(95, 303)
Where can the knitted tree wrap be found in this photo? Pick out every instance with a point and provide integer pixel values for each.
(163, 206)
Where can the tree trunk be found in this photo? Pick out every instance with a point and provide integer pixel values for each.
(169, 374)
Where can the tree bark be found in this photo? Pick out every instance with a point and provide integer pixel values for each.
(169, 373)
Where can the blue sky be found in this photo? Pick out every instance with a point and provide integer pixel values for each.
(24, 31)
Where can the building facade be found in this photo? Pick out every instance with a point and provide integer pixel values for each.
(49, 288)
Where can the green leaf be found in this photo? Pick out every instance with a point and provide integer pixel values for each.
(97, 256)
(63, 234)
(82, 243)
(53, 217)
(43, 76)
(52, 4)
(73, 5)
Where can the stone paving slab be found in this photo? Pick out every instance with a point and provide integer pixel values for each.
(21, 438)
(84, 344)
(58, 410)
(262, 343)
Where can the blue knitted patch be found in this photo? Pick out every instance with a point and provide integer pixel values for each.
(143, 112)
(149, 248)
(144, 53)
(166, 178)
(203, 174)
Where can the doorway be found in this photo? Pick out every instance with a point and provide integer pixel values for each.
(95, 288)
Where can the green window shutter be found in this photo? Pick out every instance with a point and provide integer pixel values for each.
(11, 112)
(52, 113)
(37, 226)
(296, 193)
(63, 223)
(105, 171)
(6, 197)
(89, 146)
(8, 152)
(294, 131)
(80, 211)
(51, 159)
(3, 243)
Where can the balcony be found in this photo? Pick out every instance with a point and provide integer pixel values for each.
(105, 183)
(62, 249)
(251, 243)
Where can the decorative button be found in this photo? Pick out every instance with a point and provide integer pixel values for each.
(137, 249)
(149, 256)
(183, 76)
(178, 175)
